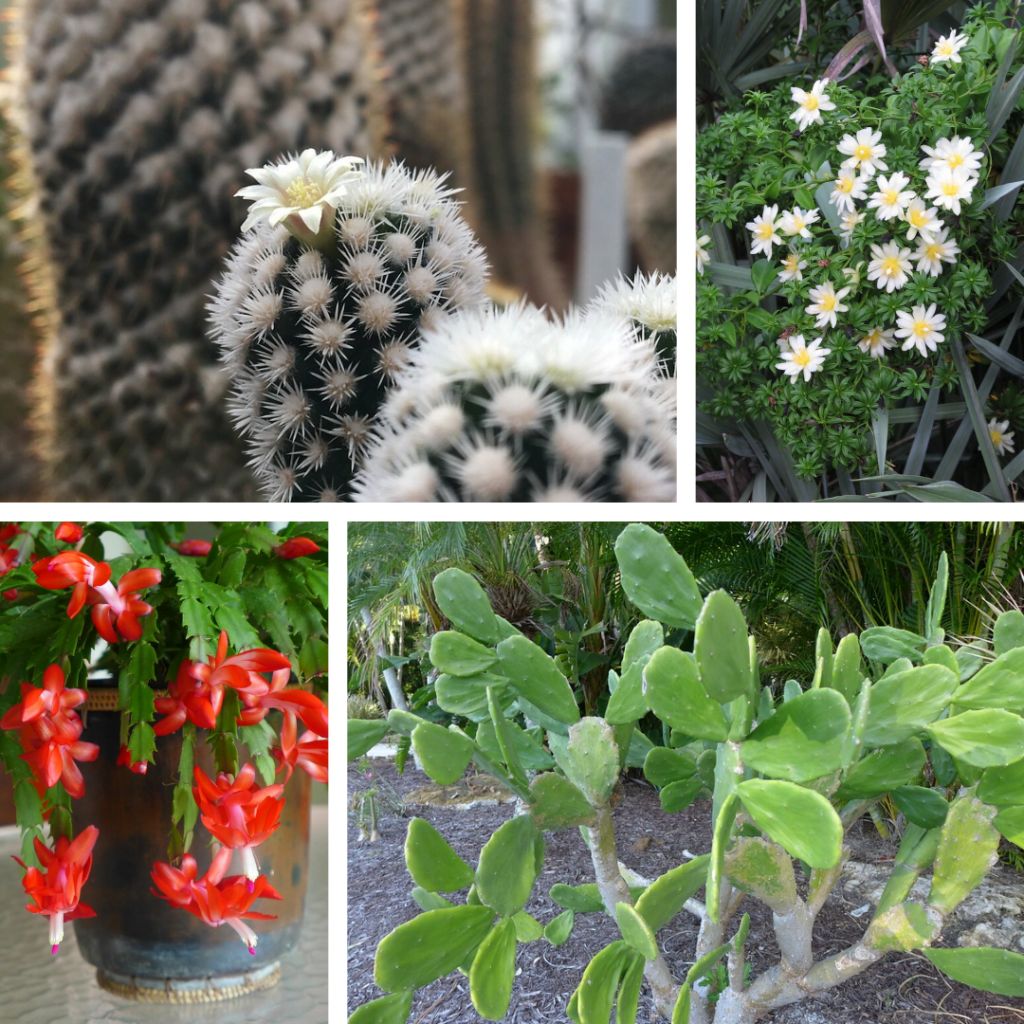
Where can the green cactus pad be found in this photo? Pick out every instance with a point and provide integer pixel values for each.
(905, 926)
(675, 694)
(364, 734)
(720, 649)
(942, 655)
(403, 722)
(444, 754)
(1003, 785)
(903, 704)
(559, 804)
(535, 677)
(635, 930)
(629, 992)
(803, 740)
(558, 930)
(681, 1011)
(466, 606)
(916, 854)
(803, 823)
(967, 849)
(655, 577)
(528, 928)
(981, 738)
(971, 658)
(885, 644)
(899, 665)
(882, 770)
(1000, 684)
(677, 796)
(429, 900)
(847, 670)
(665, 896)
(467, 695)
(764, 870)
(590, 758)
(596, 991)
(707, 763)
(508, 866)
(926, 808)
(724, 821)
(1008, 632)
(433, 864)
(645, 638)
(985, 968)
(823, 657)
(624, 735)
(937, 602)
(493, 971)
(429, 946)
(458, 655)
(664, 765)
(392, 1009)
(1010, 823)
(628, 702)
(529, 752)
(584, 898)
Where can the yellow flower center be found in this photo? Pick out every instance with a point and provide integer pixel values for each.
(303, 193)
(951, 187)
(933, 252)
(811, 102)
(827, 303)
(955, 159)
(922, 328)
(802, 358)
(798, 223)
(862, 152)
(997, 438)
(892, 197)
(875, 339)
(918, 218)
(845, 184)
(890, 266)
(765, 230)
(945, 48)
(791, 263)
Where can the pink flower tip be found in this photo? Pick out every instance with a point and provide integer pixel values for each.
(54, 949)
(250, 885)
(252, 949)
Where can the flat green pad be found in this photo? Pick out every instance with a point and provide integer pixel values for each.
(493, 971)
(590, 758)
(558, 930)
(1000, 684)
(803, 740)
(762, 869)
(986, 968)
(664, 765)
(883, 770)
(847, 670)
(886, 644)
(967, 850)
(584, 898)
(529, 752)
(1008, 631)
(655, 577)
(508, 866)
(677, 796)
(466, 606)
(596, 992)
(433, 864)
(981, 738)
(392, 1009)
(528, 928)
(802, 822)
(926, 808)
(1010, 823)
(363, 734)
(665, 896)
(1003, 785)
(646, 638)
(444, 754)
(429, 900)
(675, 694)
(467, 695)
(904, 703)
(628, 702)
(536, 677)
(429, 946)
(635, 930)
(459, 655)
(721, 650)
(559, 804)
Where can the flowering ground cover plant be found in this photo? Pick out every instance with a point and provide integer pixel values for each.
(855, 260)
(231, 631)
(890, 715)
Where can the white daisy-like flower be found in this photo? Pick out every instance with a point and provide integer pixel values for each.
(876, 342)
(296, 191)
(763, 231)
(802, 358)
(892, 197)
(848, 186)
(810, 104)
(947, 187)
(955, 153)
(890, 266)
(921, 219)
(1002, 437)
(849, 223)
(922, 328)
(791, 267)
(949, 47)
(931, 252)
(864, 152)
(825, 304)
(796, 221)
(703, 256)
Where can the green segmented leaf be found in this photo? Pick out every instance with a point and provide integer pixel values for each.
(1000, 684)
(677, 796)
(536, 677)
(559, 804)
(403, 722)
(926, 808)
(493, 971)
(803, 740)
(558, 930)
(429, 946)
(664, 765)
(459, 655)
(627, 703)
(528, 928)
(882, 770)
(847, 670)
(584, 898)
(823, 658)
(655, 577)
(635, 930)
(802, 822)
(675, 694)
(364, 734)
(967, 849)
(433, 864)
(665, 896)
(508, 866)
(885, 644)
(1008, 632)
(590, 758)
(429, 900)
(985, 968)
(903, 704)
(444, 754)
(981, 738)
(1003, 785)
(393, 1009)
(466, 606)
(720, 649)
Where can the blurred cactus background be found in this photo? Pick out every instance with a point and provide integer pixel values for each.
(127, 126)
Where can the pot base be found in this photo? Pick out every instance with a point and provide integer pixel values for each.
(181, 990)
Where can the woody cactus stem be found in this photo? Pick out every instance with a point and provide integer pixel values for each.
(313, 332)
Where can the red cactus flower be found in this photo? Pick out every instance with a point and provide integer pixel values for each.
(259, 696)
(188, 698)
(53, 699)
(193, 548)
(57, 892)
(70, 533)
(296, 548)
(308, 753)
(124, 757)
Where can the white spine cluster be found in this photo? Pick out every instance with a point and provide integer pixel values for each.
(314, 338)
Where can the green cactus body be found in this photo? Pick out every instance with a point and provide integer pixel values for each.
(992, 970)
(392, 1009)
(882, 770)
(601, 981)
(886, 644)
(904, 703)
(444, 754)
(1000, 684)
(847, 670)
(924, 807)
(636, 931)
(558, 929)
(720, 649)
(465, 604)
(967, 849)
(458, 655)
(1003, 785)
(527, 751)
(429, 900)
(803, 823)
(982, 739)
(536, 677)
(1008, 631)
(590, 759)
(942, 655)
(363, 734)
(433, 864)
(665, 896)
(916, 854)
(902, 927)
(558, 804)
(677, 796)
(674, 692)
(664, 765)
(528, 928)
(508, 866)
(584, 898)
(627, 702)
(764, 870)
(467, 695)
(493, 970)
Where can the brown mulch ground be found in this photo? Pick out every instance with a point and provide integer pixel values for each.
(901, 989)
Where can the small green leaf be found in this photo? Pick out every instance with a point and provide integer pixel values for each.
(558, 930)
(393, 1009)
(981, 738)
(986, 968)
(801, 821)
(431, 861)
(443, 753)
(363, 734)
(635, 930)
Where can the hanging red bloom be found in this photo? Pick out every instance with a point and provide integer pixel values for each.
(188, 698)
(308, 753)
(124, 757)
(193, 548)
(258, 696)
(71, 533)
(57, 892)
(296, 548)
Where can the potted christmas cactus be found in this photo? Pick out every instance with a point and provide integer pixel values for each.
(153, 709)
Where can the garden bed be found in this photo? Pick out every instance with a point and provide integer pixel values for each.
(901, 989)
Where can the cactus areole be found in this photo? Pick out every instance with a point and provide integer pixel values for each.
(887, 714)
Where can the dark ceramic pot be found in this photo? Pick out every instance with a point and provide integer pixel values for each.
(140, 944)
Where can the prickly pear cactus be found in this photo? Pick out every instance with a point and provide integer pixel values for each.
(138, 121)
(786, 780)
